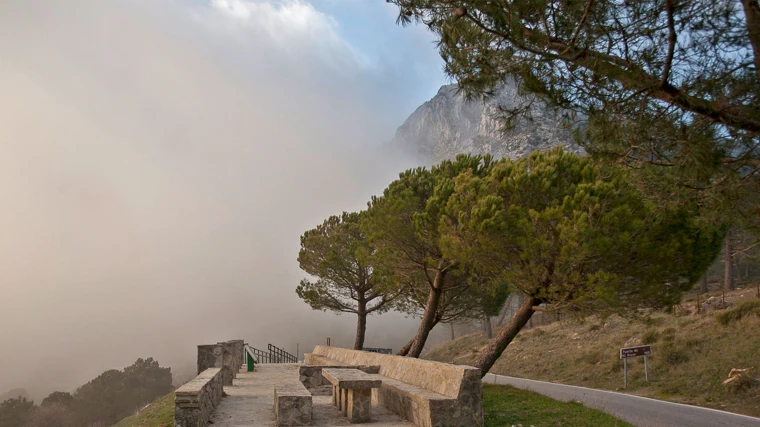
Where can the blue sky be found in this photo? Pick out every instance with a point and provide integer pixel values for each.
(401, 65)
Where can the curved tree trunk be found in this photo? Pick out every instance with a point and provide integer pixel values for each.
(361, 323)
(405, 349)
(408, 346)
(428, 319)
(728, 274)
(496, 346)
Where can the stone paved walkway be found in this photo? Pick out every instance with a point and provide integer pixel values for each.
(250, 399)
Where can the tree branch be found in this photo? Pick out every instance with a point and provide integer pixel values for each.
(578, 27)
(633, 77)
(671, 43)
(752, 14)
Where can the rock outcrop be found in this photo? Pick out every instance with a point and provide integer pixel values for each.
(448, 125)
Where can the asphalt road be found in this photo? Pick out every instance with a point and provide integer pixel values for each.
(640, 411)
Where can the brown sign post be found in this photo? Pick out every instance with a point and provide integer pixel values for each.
(628, 352)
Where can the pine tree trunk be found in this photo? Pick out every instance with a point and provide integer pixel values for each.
(361, 324)
(405, 349)
(453, 336)
(728, 274)
(703, 288)
(428, 318)
(496, 346)
(487, 327)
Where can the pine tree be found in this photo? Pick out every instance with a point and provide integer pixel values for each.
(568, 233)
(338, 254)
(403, 225)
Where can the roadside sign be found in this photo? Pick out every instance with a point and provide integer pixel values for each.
(641, 350)
(629, 352)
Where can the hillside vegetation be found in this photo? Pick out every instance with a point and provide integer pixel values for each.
(157, 414)
(692, 355)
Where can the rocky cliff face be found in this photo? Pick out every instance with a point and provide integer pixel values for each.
(448, 125)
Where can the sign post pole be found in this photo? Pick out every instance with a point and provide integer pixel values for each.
(646, 370)
(625, 364)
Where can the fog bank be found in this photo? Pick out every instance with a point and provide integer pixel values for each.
(158, 163)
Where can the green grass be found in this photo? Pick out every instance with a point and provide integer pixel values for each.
(159, 413)
(506, 406)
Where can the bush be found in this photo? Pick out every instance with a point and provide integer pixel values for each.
(672, 354)
(743, 384)
(650, 336)
(745, 309)
(669, 335)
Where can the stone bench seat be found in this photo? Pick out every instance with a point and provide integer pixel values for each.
(427, 393)
(292, 404)
(352, 392)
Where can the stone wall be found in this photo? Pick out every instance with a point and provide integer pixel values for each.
(195, 401)
(459, 399)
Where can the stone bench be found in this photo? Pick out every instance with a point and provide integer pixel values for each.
(427, 393)
(292, 404)
(352, 392)
(194, 402)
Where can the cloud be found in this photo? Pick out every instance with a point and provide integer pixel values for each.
(294, 26)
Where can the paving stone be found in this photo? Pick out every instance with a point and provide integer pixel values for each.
(250, 402)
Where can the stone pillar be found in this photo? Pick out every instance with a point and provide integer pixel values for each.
(359, 401)
(208, 357)
(227, 361)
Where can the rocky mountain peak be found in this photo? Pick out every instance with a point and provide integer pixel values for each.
(448, 125)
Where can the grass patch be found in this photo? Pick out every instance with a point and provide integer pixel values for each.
(505, 406)
(158, 414)
(745, 309)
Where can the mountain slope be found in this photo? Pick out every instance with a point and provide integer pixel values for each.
(448, 125)
(691, 354)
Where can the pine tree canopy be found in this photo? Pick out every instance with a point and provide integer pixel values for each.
(567, 232)
(338, 254)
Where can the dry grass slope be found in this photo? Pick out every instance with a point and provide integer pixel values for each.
(692, 355)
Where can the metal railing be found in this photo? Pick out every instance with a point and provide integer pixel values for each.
(278, 355)
(259, 356)
(273, 355)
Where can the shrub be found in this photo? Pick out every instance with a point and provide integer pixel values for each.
(745, 309)
(672, 354)
(650, 336)
(669, 335)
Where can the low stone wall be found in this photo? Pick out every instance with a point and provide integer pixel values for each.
(459, 399)
(195, 401)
